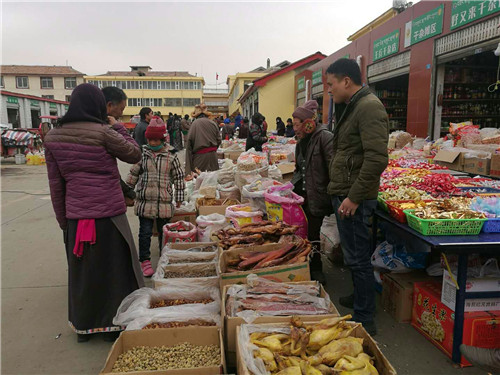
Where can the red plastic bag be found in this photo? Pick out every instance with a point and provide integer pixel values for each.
(180, 231)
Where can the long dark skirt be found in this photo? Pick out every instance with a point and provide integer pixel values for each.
(100, 279)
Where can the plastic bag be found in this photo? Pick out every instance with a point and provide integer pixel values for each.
(186, 256)
(137, 303)
(143, 321)
(329, 236)
(209, 224)
(226, 172)
(229, 191)
(282, 204)
(243, 214)
(396, 259)
(208, 187)
(210, 269)
(180, 231)
(254, 192)
(275, 173)
(490, 269)
(252, 160)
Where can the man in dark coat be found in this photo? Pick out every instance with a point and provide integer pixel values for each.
(243, 132)
(359, 158)
(280, 126)
(256, 133)
(146, 114)
(312, 157)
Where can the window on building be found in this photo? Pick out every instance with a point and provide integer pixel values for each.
(68, 98)
(173, 102)
(185, 85)
(2, 84)
(48, 96)
(177, 85)
(190, 102)
(69, 83)
(46, 83)
(22, 83)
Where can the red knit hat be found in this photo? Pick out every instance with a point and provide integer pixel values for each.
(156, 129)
(306, 110)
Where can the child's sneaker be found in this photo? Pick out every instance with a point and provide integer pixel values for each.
(147, 270)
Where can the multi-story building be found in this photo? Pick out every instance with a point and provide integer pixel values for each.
(176, 92)
(239, 83)
(216, 101)
(273, 94)
(49, 82)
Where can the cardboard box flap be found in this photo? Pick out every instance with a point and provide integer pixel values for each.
(447, 156)
(286, 168)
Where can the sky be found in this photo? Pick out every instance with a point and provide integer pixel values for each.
(202, 38)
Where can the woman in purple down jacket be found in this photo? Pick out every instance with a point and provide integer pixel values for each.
(85, 189)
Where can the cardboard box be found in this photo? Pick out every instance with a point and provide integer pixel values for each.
(495, 165)
(435, 321)
(233, 155)
(215, 209)
(370, 347)
(451, 159)
(167, 337)
(397, 293)
(287, 170)
(286, 272)
(477, 166)
(184, 216)
(484, 284)
(230, 322)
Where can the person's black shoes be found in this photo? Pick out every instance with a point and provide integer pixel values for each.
(110, 336)
(370, 327)
(347, 301)
(485, 359)
(82, 338)
(319, 276)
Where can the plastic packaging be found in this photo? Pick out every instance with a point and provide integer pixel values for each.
(208, 187)
(180, 231)
(226, 172)
(229, 191)
(254, 192)
(137, 304)
(282, 204)
(186, 256)
(329, 236)
(241, 214)
(186, 268)
(143, 321)
(209, 224)
(396, 259)
(275, 173)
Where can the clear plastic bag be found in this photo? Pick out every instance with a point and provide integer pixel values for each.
(210, 269)
(254, 192)
(208, 225)
(208, 187)
(226, 172)
(143, 321)
(263, 285)
(137, 304)
(229, 191)
(241, 214)
(252, 160)
(275, 173)
(186, 256)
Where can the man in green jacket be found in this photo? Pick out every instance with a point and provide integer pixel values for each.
(359, 158)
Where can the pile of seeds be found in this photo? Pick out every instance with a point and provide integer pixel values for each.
(180, 324)
(176, 302)
(175, 275)
(185, 355)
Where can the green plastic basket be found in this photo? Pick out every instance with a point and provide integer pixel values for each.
(444, 227)
(382, 204)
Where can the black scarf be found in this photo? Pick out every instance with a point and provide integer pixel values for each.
(87, 105)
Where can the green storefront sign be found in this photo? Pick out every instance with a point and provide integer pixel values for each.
(12, 100)
(386, 46)
(66, 107)
(35, 103)
(53, 105)
(426, 26)
(317, 77)
(301, 84)
(465, 11)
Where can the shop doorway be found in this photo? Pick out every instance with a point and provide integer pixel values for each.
(468, 92)
(35, 118)
(393, 93)
(13, 117)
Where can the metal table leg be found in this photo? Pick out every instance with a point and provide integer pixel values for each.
(458, 328)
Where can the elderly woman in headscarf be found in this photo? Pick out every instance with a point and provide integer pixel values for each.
(202, 142)
(84, 181)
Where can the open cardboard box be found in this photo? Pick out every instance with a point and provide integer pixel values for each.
(190, 217)
(287, 170)
(215, 209)
(451, 159)
(286, 272)
(370, 347)
(231, 323)
(167, 337)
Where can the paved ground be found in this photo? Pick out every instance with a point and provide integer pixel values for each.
(35, 335)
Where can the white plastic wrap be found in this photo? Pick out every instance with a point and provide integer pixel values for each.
(184, 256)
(229, 191)
(208, 187)
(137, 304)
(206, 281)
(143, 321)
(274, 173)
(209, 224)
(226, 172)
(254, 192)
